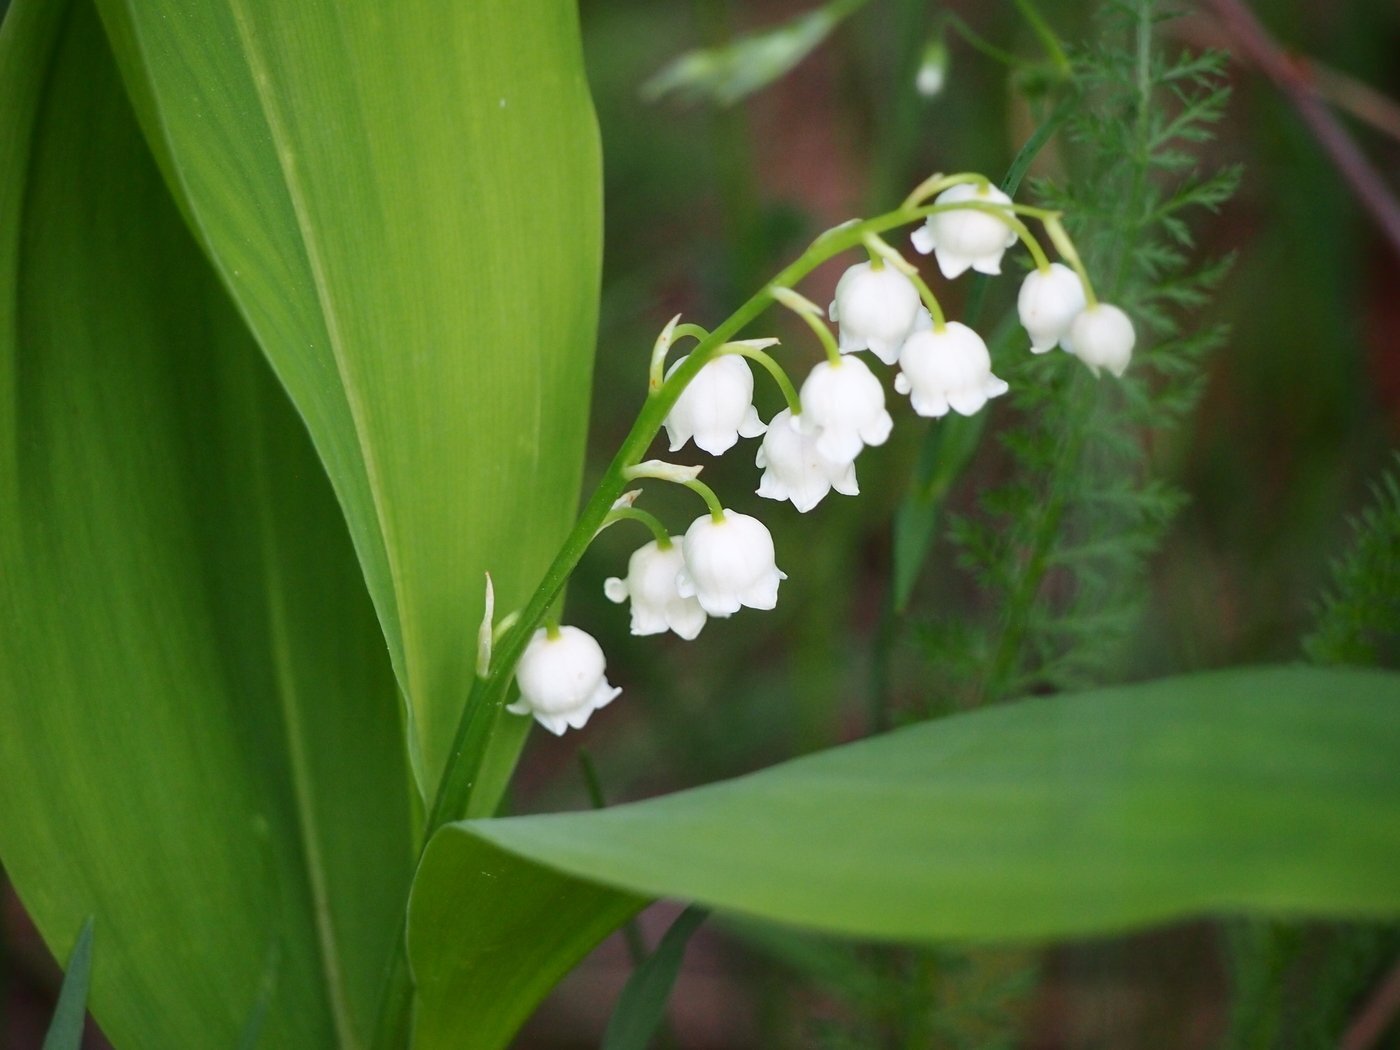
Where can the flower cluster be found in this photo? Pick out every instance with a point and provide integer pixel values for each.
(726, 560)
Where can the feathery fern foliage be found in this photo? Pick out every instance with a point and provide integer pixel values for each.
(1061, 547)
(1359, 618)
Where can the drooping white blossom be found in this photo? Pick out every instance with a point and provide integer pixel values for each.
(716, 407)
(876, 309)
(794, 468)
(657, 605)
(1102, 336)
(843, 409)
(729, 564)
(1048, 303)
(966, 238)
(561, 679)
(947, 369)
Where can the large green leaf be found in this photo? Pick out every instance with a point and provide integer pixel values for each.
(405, 202)
(201, 742)
(1258, 790)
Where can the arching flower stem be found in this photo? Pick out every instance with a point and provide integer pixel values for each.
(755, 352)
(880, 249)
(1060, 238)
(937, 183)
(940, 323)
(812, 314)
(674, 330)
(651, 521)
(708, 495)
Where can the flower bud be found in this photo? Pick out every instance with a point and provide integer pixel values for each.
(1102, 336)
(843, 408)
(715, 408)
(729, 564)
(657, 606)
(876, 308)
(796, 470)
(561, 679)
(1048, 303)
(933, 67)
(947, 369)
(966, 237)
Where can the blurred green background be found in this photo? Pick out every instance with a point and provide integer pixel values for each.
(1300, 412)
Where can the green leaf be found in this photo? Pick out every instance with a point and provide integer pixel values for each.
(201, 742)
(1272, 790)
(726, 75)
(491, 936)
(642, 1005)
(66, 1028)
(405, 203)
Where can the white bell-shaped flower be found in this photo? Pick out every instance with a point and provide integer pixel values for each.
(794, 469)
(966, 238)
(657, 606)
(947, 369)
(1102, 336)
(876, 309)
(843, 408)
(1048, 303)
(729, 564)
(561, 679)
(716, 407)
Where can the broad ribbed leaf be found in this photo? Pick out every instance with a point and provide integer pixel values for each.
(404, 200)
(201, 742)
(1258, 790)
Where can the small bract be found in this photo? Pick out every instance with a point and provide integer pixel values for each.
(876, 308)
(716, 408)
(1048, 303)
(967, 238)
(657, 605)
(795, 469)
(947, 369)
(843, 408)
(729, 564)
(1102, 336)
(561, 679)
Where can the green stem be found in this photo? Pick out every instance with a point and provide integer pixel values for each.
(1007, 213)
(812, 317)
(993, 52)
(930, 301)
(692, 331)
(1060, 238)
(664, 342)
(774, 369)
(658, 530)
(1046, 36)
(708, 495)
(936, 184)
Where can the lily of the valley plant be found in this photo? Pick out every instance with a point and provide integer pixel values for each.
(297, 317)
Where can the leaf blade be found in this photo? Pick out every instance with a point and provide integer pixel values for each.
(66, 1028)
(641, 1007)
(181, 606)
(409, 219)
(1271, 790)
